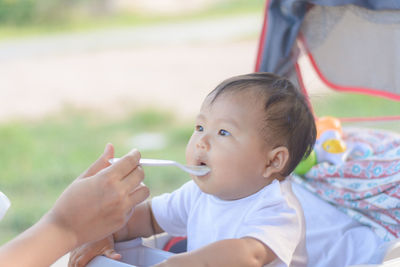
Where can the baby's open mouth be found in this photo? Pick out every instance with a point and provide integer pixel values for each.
(203, 168)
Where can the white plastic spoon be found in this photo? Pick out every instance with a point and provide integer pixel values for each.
(195, 170)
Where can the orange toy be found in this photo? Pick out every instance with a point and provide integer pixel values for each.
(328, 123)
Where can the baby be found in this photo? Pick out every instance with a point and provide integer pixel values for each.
(252, 131)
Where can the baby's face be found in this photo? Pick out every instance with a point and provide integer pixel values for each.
(227, 138)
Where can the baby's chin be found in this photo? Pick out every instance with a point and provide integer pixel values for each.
(200, 184)
(201, 178)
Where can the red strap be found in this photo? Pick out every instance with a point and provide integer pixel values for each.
(172, 242)
(261, 42)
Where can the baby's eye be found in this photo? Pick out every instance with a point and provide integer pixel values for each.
(224, 132)
(199, 128)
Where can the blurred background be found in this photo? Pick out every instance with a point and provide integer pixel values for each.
(77, 74)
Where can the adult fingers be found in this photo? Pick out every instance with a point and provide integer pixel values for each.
(138, 195)
(133, 179)
(125, 165)
(101, 162)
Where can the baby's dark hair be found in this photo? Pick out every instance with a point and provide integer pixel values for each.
(288, 120)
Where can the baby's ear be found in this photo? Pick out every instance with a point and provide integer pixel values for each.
(276, 161)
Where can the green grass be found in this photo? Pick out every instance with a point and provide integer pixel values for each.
(40, 158)
(84, 23)
(356, 105)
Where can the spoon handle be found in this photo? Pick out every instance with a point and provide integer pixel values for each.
(196, 170)
(156, 162)
(149, 162)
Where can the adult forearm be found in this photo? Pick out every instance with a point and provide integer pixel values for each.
(40, 245)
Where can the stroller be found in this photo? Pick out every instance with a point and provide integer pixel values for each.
(350, 47)
(326, 36)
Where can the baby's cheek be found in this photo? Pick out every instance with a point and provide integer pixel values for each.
(191, 155)
(189, 151)
(226, 168)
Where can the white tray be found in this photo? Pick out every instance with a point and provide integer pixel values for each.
(134, 253)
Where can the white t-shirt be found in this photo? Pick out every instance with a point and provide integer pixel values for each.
(272, 215)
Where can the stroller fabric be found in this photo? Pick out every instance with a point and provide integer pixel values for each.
(366, 188)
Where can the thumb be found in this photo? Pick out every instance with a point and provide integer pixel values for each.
(110, 253)
(101, 162)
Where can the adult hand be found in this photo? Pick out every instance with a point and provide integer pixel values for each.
(101, 200)
(96, 204)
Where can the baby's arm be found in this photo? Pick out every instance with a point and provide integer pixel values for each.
(141, 224)
(229, 252)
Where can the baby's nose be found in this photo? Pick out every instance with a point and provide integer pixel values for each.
(203, 144)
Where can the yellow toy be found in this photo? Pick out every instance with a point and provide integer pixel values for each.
(329, 146)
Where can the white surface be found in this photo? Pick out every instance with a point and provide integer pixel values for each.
(391, 263)
(134, 253)
(4, 204)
